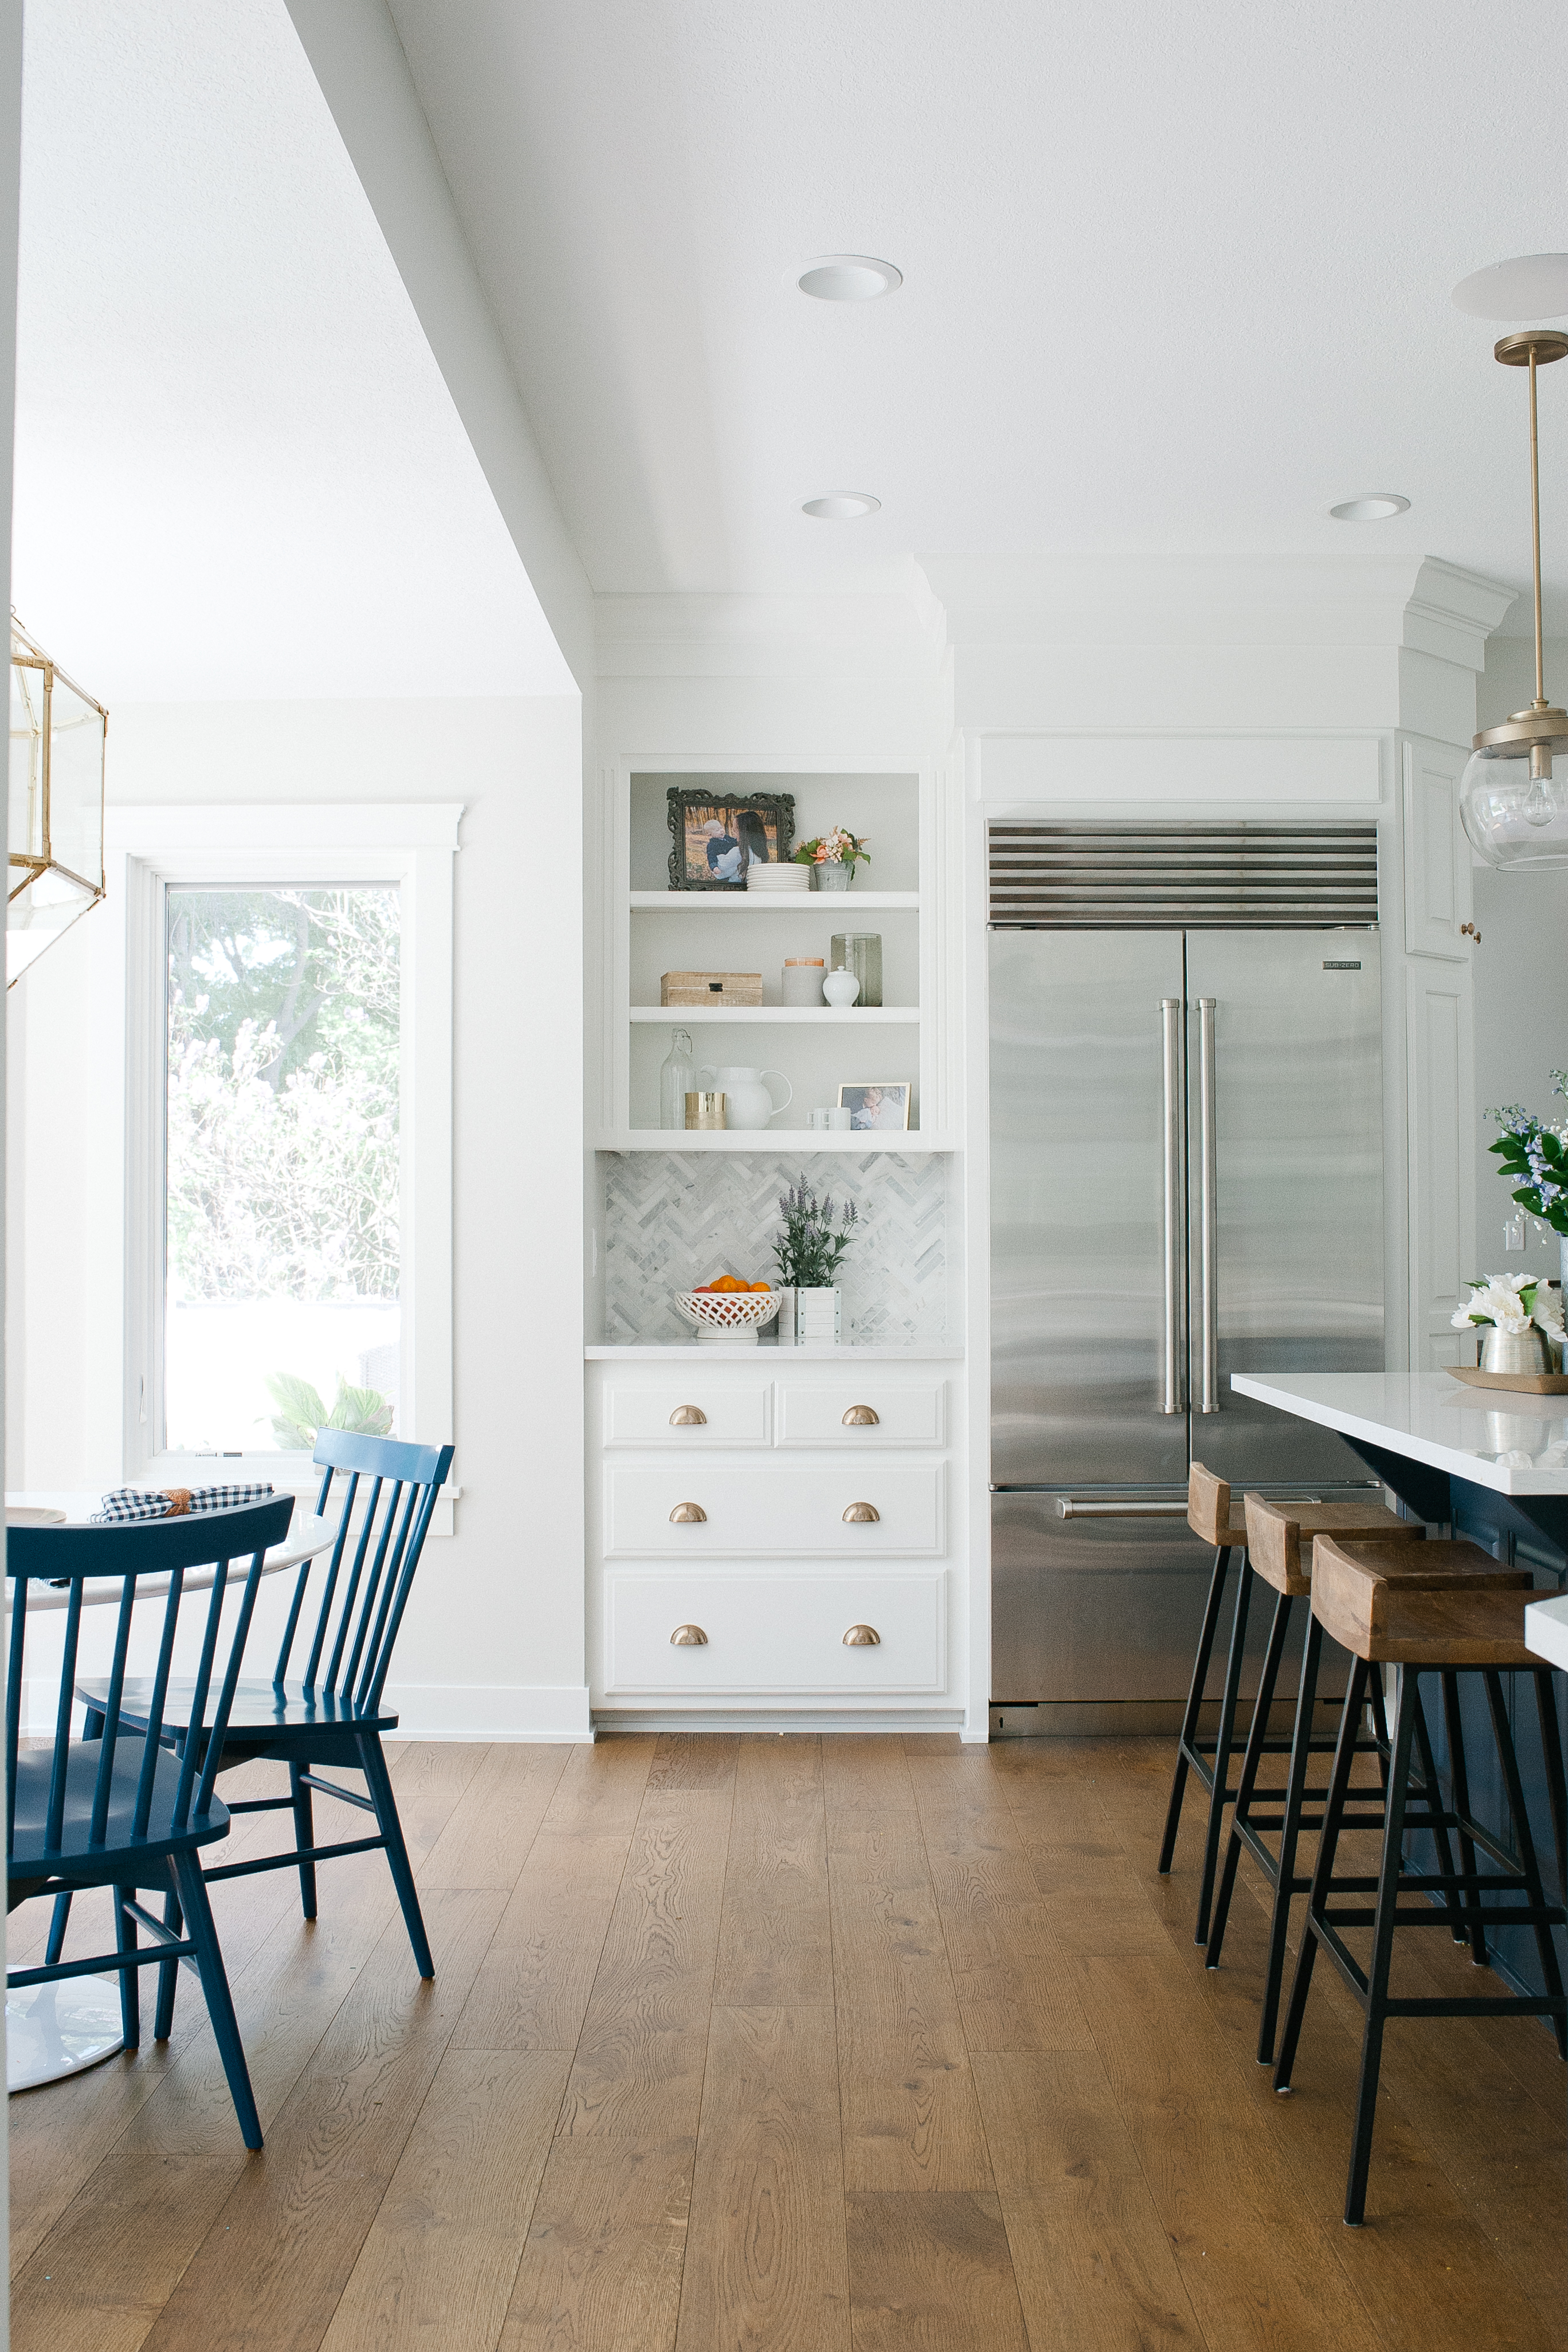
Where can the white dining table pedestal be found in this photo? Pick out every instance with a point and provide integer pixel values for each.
(52, 2031)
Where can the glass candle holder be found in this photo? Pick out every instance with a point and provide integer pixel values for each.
(861, 953)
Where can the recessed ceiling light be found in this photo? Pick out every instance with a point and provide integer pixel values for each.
(842, 506)
(1535, 286)
(848, 278)
(1374, 506)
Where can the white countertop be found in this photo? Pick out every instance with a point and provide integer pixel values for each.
(766, 1352)
(1546, 1628)
(1506, 1439)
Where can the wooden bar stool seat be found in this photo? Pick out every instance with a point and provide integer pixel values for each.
(1213, 1513)
(1282, 1539)
(1453, 1611)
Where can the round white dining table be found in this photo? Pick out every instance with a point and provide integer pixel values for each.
(56, 2029)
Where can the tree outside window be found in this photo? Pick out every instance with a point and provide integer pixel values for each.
(282, 1244)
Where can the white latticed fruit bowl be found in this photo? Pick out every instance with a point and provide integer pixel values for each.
(728, 1314)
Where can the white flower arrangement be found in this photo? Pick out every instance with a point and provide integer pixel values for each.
(1511, 1302)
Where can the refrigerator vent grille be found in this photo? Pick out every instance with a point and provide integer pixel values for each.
(1184, 876)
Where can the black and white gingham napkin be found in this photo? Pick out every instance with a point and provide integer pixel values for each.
(173, 1502)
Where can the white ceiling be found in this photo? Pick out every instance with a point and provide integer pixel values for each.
(1176, 277)
(240, 473)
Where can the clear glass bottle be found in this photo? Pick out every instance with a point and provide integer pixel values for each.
(677, 1077)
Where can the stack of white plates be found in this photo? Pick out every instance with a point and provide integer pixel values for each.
(786, 877)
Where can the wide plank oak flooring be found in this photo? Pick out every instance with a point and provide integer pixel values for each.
(760, 2044)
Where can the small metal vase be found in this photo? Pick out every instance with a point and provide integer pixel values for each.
(1515, 1351)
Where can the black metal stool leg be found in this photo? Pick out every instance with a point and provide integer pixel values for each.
(1250, 1761)
(1186, 1747)
(1433, 1790)
(1461, 1778)
(1223, 1741)
(1289, 1838)
(1333, 1815)
(1382, 1945)
(1552, 1749)
(1529, 1869)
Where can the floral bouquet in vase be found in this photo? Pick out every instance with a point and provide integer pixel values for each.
(833, 857)
(1520, 1319)
(1534, 1156)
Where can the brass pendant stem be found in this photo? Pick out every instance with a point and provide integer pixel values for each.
(1535, 526)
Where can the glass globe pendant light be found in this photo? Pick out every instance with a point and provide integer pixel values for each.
(1515, 808)
(56, 842)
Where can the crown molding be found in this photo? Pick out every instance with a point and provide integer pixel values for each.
(1197, 600)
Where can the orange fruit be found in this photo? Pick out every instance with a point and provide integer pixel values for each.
(761, 1286)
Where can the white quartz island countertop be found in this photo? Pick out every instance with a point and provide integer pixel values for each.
(1507, 1439)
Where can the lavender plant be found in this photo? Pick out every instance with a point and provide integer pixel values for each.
(1530, 1150)
(813, 1237)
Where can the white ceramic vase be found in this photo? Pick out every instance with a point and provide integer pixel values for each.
(747, 1100)
(840, 988)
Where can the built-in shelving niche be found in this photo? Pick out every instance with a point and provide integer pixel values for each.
(814, 1050)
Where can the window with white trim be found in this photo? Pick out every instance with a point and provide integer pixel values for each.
(288, 1164)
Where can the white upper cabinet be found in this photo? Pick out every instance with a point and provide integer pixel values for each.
(1436, 854)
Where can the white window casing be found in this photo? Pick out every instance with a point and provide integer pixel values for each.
(147, 849)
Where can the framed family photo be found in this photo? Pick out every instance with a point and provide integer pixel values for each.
(716, 836)
(878, 1103)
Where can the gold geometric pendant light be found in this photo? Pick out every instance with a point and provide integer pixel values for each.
(1514, 807)
(55, 834)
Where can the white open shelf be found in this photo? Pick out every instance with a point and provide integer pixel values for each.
(760, 902)
(687, 1017)
(789, 1141)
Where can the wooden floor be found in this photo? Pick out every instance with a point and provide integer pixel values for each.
(782, 2045)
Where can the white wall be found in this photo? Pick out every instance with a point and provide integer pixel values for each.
(492, 1646)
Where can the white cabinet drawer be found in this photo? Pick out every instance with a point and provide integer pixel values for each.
(773, 1634)
(643, 1412)
(810, 1416)
(767, 1514)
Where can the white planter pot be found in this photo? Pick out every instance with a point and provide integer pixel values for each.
(809, 1317)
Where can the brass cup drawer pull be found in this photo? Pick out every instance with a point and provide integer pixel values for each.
(689, 1416)
(687, 1515)
(859, 1515)
(692, 1637)
(862, 1637)
(861, 1416)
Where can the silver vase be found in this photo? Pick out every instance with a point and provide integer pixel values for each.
(1515, 1351)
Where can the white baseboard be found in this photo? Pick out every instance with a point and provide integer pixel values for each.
(762, 1721)
(520, 1711)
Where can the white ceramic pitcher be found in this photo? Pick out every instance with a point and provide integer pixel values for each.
(747, 1099)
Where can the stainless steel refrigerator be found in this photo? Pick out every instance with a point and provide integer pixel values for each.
(1186, 1180)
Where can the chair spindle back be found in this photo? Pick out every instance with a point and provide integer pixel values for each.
(39, 1558)
(364, 1590)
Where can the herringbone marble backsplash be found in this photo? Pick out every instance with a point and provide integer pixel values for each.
(675, 1219)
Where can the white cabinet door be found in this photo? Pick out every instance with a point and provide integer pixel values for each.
(1441, 1113)
(1436, 854)
(658, 1412)
(911, 1415)
(783, 1633)
(756, 1514)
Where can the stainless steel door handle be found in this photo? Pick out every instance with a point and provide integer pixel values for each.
(1070, 1507)
(1208, 1215)
(1173, 1350)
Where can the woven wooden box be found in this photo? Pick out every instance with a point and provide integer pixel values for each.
(694, 988)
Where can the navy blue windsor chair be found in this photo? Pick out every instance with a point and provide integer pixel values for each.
(334, 1716)
(126, 1809)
